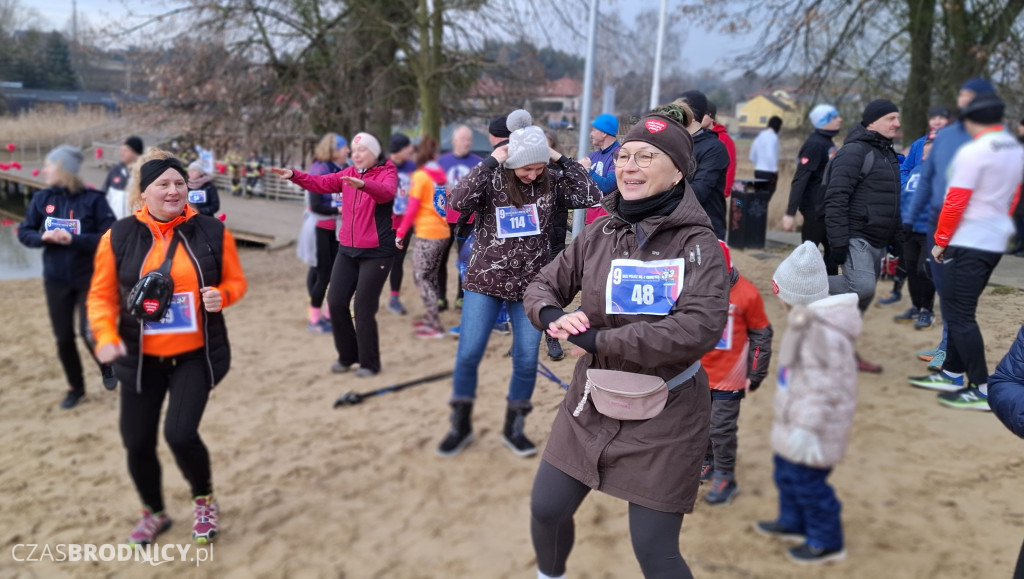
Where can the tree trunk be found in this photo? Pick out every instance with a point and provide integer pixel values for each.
(431, 36)
(919, 82)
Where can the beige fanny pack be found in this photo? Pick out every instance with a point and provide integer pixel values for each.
(629, 396)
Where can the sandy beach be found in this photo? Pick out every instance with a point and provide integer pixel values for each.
(307, 490)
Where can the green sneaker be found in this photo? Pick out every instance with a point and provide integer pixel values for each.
(937, 361)
(969, 398)
(938, 381)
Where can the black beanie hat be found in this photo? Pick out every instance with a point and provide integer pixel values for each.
(984, 109)
(397, 142)
(698, 103)
(134, 143)
(666, 134)
(877, 109)
(939, 111)
(499, 127)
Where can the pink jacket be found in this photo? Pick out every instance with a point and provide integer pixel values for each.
(366, 212)
(817, 384)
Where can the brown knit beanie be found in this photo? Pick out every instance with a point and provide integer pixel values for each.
(667, 135)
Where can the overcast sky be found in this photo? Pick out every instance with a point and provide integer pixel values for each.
(703, 49)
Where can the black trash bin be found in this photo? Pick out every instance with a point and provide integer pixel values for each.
(749, 213)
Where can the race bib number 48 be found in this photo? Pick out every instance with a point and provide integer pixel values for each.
(517, 221)
(643, 287)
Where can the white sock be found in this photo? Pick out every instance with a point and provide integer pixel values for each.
(541, 575)
(983, 388)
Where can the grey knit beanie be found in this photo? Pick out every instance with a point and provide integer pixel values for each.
(527, 144)
(67, 157)
(801, 278)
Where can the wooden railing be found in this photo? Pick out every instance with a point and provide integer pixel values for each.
(270, 186)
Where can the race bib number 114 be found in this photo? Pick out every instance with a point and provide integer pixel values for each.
(643, 287)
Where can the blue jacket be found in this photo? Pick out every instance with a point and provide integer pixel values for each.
(602, 168)
(910, 186)
(931, 191)
(1006, 387)
(912, 160)
(67, 264)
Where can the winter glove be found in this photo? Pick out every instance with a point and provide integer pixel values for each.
(754, 385)
(804, 447)
(837, 255)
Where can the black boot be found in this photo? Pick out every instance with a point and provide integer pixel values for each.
(514, 435)
(554, 348)
(461, 433)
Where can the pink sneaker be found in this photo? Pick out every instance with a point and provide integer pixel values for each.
(204, 529)
(420, 323)
(428, 332)
(148, 527)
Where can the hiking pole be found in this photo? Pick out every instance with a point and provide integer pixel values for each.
(352, 398)
(547, 373)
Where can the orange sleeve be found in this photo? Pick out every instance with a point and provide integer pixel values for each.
(232, 280)
(753, 308)
(952, 212)
(1016, 200)
(103, 303)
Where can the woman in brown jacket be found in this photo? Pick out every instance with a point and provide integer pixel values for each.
(632, 322)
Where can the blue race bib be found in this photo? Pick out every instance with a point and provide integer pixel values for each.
(441, 200)
(180, 317)
(73, 226)
(643, 287)
(402, 195)
(517, 221)
(197, 196)
(725, 342)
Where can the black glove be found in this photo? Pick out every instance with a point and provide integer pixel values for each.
(837, 255)
(754, 385)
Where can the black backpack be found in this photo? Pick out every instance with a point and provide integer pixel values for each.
(865, 168)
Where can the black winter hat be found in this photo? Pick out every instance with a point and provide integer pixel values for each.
(134, 143)
(939, 111)
(499, 127)
(397, 142)
(984, 109)
(698, 103)
(877, 109)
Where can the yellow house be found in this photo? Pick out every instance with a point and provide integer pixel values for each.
(753, 114)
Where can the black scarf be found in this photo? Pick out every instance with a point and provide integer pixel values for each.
(661, 204)
(829, 134)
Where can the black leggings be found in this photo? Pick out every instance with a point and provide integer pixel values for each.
(914, 260)
(363, 278)
(319, 276)
(398, 268)
(187, 378)
(553, 502)
(61, 301)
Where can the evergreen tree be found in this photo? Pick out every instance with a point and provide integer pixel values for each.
(60, 73)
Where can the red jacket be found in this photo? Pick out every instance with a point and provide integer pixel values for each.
(365, 212)
(730, 174)
(744, 350)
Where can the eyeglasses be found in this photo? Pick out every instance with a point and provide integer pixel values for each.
(642, 159)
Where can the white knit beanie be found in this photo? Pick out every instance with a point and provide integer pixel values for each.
(369, 141)
(801, 278)
(527, 144)
(822, 115)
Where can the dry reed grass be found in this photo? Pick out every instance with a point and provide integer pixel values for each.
(37, 125)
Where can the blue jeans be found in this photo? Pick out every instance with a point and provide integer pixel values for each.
(478, 314)
(936, 271)
(807, 504)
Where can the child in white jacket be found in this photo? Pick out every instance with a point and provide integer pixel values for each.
(814, 405)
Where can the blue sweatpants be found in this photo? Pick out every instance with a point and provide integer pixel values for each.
(808, 504)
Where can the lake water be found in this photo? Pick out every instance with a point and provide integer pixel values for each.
(16, 260)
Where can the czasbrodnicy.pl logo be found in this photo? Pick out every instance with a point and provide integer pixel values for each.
(154, 554)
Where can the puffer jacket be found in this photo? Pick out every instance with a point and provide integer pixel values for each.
(711, 160)
(867, 207)
(365, 230)
(502, 268)
(817, 383)
(1006, 387)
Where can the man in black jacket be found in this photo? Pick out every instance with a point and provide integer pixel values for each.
(709, 163)
(806, 193)
(862, 204)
